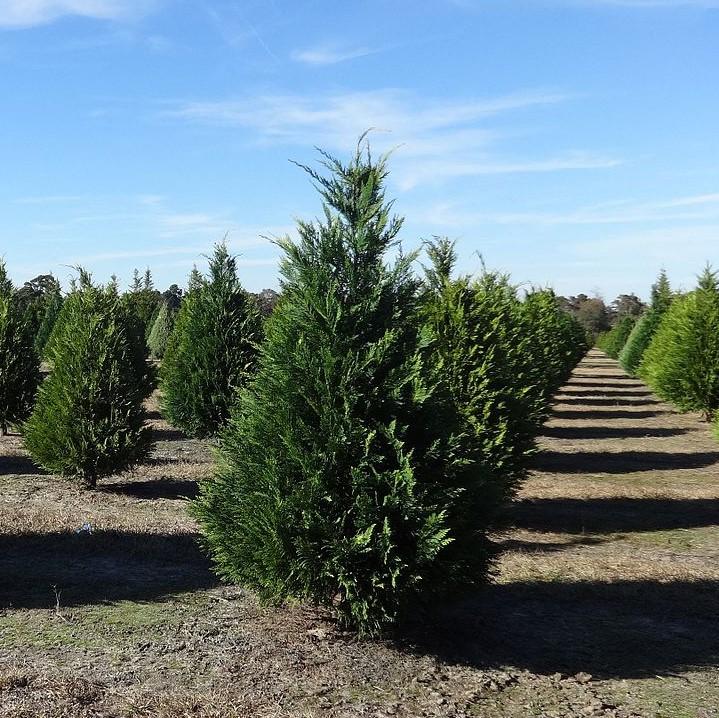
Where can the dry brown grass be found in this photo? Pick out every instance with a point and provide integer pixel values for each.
(610, 567)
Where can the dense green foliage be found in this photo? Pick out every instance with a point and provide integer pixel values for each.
(486, 346)
(144, 300)
(681, 363)
(53, 307)
(643, 331)
(347, 475)
(161, 330)
(19, 364)
(556, 341)
(212, 350)
(88, 419)
(613, 341)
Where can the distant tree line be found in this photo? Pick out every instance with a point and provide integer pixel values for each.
(598, 317)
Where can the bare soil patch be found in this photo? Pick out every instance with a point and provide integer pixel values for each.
(604, 603)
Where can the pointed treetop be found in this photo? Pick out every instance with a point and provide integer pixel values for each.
(147, 283)
(355, 192)
(661, 292)
(443, 257)
(136, 285)
(5, 283)
(195, 280)
(223, 265)
(708, 280)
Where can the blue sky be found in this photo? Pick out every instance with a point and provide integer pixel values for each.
(570, 142)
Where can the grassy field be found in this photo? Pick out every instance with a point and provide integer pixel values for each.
(605, 600)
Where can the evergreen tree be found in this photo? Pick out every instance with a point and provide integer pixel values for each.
(643, 331)
(89, 416)
(681, 363)
(479, 349)
(212, 350)
(195, 280)
(144, 300)
(613, 341)
(19, 364)
(161, 330)
(344, 477)
(661, 293)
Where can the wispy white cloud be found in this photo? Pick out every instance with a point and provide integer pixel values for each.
(330, 54)
(450, 169)
(27, 13)
(680, 209)
(437, 139)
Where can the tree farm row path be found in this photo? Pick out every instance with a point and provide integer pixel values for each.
(605, 600)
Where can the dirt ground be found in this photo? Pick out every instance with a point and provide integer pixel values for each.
(605, 600)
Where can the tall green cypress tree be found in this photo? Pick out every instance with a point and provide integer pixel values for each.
(88, 421)
(161, 330)
(643, 331)
(682, 362)
(19, 363)
(212, 350)
(340, 477)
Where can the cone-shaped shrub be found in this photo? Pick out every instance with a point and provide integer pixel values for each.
(88, 419)
(212, 350)
(479, 348)
(613, 341)
(161, 330)
(19, 363)
(339, 478)
(640, 337)
(682, 362)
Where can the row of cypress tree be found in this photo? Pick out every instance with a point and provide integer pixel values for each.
(367, 434)
(681, 363)
(674, 346)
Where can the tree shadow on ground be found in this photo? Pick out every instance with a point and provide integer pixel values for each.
(168, 434)
(19, 465)
(607, 414)
(622, 629)
(611, 515)
(97, 568)
(609, 432)
(604, 401)
(154, 489)
(630, 383)
(573, 392)
(620, 462)
(601, 377)
(512, 544)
